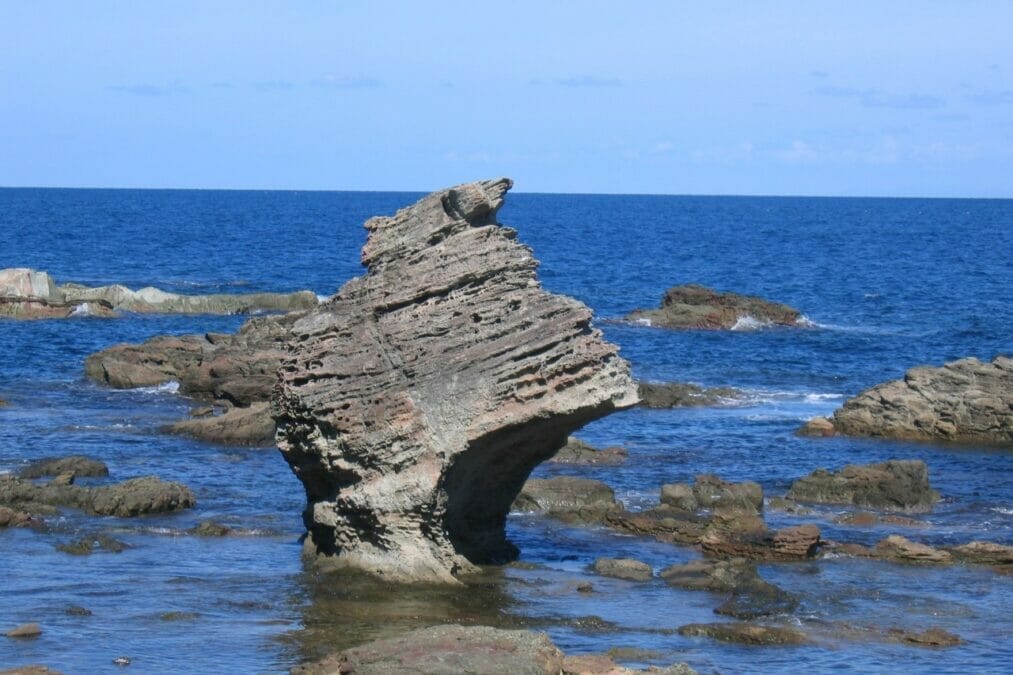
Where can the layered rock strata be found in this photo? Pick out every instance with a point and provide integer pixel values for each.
(415, 402)
(31, 294)
(964, 401)
(697, 307)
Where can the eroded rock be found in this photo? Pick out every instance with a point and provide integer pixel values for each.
(578, 452)
(965, 401)
(252, 426)
(896, 485)
(695, 306)
(79, 465)
(710, 492)
(416, 401)
(745, 633)
(900, 549)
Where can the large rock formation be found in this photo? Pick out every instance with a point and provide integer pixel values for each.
(695, 306)
(416, 401)
(965, 401)
(30, 294)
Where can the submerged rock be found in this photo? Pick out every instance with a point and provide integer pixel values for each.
(964, 401)
(30, 294)
(209, 528)
(87, 545)
(573, 500)
(930, 637)
(695, 306)
(985, 553)
(416, 401)
(137, 496)
(623, 568)
(896, 485)
(684, 395)
(447, 649)
(79, 465)
(745, 633)
(578, 452)
(751, 597)
(239, 426)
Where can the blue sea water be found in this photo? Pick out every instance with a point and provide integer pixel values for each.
(887, 283)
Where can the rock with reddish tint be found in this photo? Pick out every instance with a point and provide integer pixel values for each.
(578, 452)
(899, 549)
(447, 649)
(697, 307)
(623, 568)
(414, 403)
(896, 485)
(964, 401)
(800, 542)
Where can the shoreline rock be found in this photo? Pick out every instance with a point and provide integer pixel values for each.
(692, 306)
(31, 294)
(414, 404)
(894, 485)
(963, 401)
(134, 497)
(250, 426)
(746, 633)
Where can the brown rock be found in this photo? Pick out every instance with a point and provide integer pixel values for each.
(819, 427)
(791, 543)
(14, 518)
(78, 465)
(33, 669)
(899, 549)
(573, 500)
(416, 401)
(25, 630)
(984, 553)
(623, 568)
(664, 523)
(134, 497)
(578, 452)
(694, 306)
(931, 637)
(896, 485)
(964, 401)
(710, 492)
(745, 633)
(868, 519)
(252, 426)
(684, 395)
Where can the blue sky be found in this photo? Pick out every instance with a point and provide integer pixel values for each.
(795, 98)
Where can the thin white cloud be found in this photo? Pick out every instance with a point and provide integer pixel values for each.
(149, 90)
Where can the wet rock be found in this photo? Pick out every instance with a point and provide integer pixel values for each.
(664, 523)
(585, 587)
(178, 616)
(966, 401)
(788, 506)
(252, 426)
(578, 452)
(819, 427)
(623, 568)
(684, 395)
(896, 485)
(931, 637)
(14, 518)
(791, 543)
(869, 519)
(984, 553)
(32, 669)
(30, 294)
(898, 549)
(4, 403)
(25, 630)
(695, 306)
(134, 497)
(745, 633)
(202, 411)
(416, 401)
(236, 368)
(447, 649)
(572, 500)
(710, 492)
(79, 465)
(88, 545)
(209, 528)
(751, 597)
(77, 610)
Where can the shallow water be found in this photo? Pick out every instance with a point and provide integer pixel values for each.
(888, 283)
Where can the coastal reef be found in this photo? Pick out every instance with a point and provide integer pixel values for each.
(414, 404)
(31, 294)
(963, 401)
(692, 306)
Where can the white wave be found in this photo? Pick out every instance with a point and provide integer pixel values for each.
(642, 322)
(323, 298)
(1004, 510)
(816, 398)
(757, 396)
(805, 322)
(749, 322)
(170, 387)
(84, 309)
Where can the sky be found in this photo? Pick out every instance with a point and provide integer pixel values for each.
(781, 98)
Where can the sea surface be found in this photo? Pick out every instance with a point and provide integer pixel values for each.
(887, 284)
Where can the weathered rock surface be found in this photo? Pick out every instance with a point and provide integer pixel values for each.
(867, 519)
(572, 500)
(791, 543)
(684, 395)
(623, 568)
(930, 637)
(896, 485)
(817, 427)
(30, 294)
(418, 399)
(745, 633)
(751, 597)
(238, 426)
(134, 497)
(578, 452)
(663, 522)
(79, 465)
(711, 492)
(695, 306)
(964, 401)
(900, 549)
(985, 553)
(14, 518)
(447, 649)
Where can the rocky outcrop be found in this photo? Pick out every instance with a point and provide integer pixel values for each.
(447, 649)
(896, 485)
(694, 306)
(684, 395)
(746, 633)
(623, 568)
(30, 294)
(416, 401)
(965, 401)
(237, 426)
(79, 465)
(900, 549)
(578, 452)
(711, 492)
(134, 497)
(572, 500)
(14, 518)
(750, 596)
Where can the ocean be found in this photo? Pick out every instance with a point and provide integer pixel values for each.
(887, 284)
